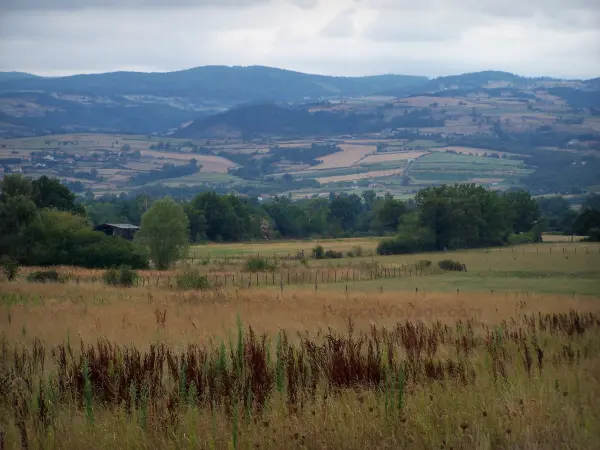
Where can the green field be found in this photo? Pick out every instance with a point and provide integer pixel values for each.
(564, 268)
(201, 178)
(423, 143)
(451, 161)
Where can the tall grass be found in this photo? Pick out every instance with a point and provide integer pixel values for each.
(411, 385)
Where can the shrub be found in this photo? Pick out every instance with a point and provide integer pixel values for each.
(448, 264)
(124, 276)
(593, 235)
(192, 279)
(319, 252)
(395, 246)
(332, 254)
(43, 276)
(258, 264)
(521, 238)
(10, 267)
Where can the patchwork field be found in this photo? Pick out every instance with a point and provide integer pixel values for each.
(392, 156)
(349, 156)
(361, 176)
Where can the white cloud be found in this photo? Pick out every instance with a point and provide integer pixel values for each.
(344, 37)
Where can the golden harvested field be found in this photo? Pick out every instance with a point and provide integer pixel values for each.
(360, 176)
(214, 164)
(349, 156)
(392, 156)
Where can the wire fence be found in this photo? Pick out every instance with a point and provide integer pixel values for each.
(247, 280)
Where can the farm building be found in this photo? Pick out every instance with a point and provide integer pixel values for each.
(125, 230)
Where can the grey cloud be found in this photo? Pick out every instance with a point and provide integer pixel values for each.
(493, 8)
(428, 37)
(397, 26)
(308, 4)
(340, 26)
(125, 4)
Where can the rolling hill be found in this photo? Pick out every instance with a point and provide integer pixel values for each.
(133, 102)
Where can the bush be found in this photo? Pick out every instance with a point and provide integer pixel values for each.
(319, 252)
(124, 276)
(332, 254)
(448, 264)
(10, 267)
(44, 276)
(257, 264)
(594, 235)
(396, 246)
(192, 279)
(521, 238)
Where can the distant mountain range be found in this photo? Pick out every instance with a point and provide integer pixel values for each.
(133, 102)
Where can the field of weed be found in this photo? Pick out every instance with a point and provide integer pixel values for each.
(89, 366)
(375, 363)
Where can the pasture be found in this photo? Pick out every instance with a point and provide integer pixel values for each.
(504, 355)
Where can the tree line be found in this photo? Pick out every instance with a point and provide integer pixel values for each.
(43, 223)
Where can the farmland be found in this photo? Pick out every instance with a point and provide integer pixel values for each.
(492, 357)
(397, 144)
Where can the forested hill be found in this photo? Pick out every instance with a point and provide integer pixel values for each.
(272, 119)
(213, 83)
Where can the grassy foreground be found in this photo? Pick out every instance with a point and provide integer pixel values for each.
(89, 366)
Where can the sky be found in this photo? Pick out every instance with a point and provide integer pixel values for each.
(559, 38)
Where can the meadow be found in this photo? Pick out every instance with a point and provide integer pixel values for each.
(504, 355)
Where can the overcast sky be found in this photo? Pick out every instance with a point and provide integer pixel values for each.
(339, 37)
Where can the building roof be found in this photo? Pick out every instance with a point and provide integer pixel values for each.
(124, 226)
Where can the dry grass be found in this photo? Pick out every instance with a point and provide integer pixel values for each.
(561, 238)
(418, 370)
(495, 390)
(52, 311)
